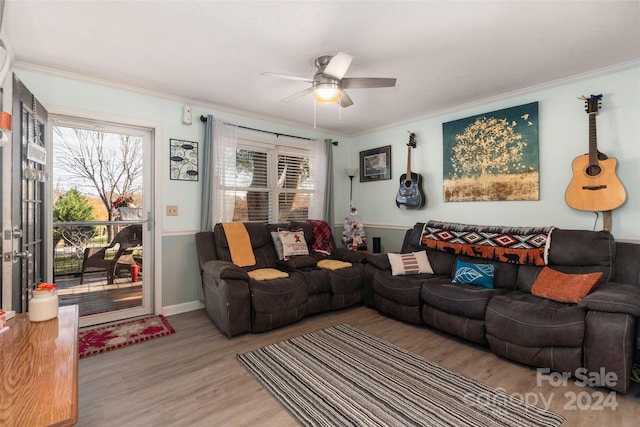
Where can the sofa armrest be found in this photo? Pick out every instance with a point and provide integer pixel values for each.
(227, 298)
(205, 247)
(380, 261)
(347, 255)
(614, 297)
(224, 270)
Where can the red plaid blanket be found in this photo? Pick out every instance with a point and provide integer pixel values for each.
(321, 236)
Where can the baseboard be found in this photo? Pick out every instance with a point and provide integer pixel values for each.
(182, 308)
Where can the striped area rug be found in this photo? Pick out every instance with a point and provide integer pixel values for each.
(344, 376)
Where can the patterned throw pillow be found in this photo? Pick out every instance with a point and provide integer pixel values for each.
(277, 242)
(293, 244)
(563, 287)
(474, 274)
(411, 263)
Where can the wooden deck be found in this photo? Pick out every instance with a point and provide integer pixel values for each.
(95, 295)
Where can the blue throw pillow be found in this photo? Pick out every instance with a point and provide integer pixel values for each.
(474, 274)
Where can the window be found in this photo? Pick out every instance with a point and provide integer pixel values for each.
(269, 183)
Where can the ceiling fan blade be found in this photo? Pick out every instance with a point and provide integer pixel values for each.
(297, 95)
(363, 82)
(288, 77)
(338, 66)
(345, 100)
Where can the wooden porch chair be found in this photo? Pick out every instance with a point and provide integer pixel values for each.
(97, 259)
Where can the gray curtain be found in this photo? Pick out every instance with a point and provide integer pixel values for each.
(328, 188)
(207, 175)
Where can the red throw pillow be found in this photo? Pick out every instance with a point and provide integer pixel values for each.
(563, 287)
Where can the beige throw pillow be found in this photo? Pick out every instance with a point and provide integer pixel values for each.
(410, 263)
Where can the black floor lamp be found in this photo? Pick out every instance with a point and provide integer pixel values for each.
(351, 172)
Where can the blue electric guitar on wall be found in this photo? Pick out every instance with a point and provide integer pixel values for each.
(410, 195)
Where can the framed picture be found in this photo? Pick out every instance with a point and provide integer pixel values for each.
(183, 164)
(492, 156)
(375, 164)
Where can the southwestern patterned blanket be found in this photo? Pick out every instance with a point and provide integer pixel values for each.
(517, 245)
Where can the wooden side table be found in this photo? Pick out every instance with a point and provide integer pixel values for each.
(39, 371)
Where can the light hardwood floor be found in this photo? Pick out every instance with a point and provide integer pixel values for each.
(192, 377)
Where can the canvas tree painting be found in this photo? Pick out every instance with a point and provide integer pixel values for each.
(492, 156)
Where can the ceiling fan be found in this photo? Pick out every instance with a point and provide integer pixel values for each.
(328, 84)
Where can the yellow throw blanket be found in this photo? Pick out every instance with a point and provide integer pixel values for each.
(239, 244)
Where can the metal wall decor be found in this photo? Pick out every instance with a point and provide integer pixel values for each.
(184, 160)
(375, 164)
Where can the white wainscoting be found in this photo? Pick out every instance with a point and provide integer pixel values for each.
(181, 284)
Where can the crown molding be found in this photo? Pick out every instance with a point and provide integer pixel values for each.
(25, 66)
(209, 105)
(525, 91)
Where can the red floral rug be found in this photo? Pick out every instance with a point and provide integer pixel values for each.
(105, 338)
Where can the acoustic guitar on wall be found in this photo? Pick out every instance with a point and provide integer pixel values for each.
(595, 185)
(410, 195)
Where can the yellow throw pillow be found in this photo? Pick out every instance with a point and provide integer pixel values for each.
(267, 274)
(333, 264)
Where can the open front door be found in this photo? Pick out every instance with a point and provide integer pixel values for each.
(25, 239)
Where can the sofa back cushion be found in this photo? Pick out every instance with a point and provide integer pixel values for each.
(261, 243)
(571, 251)
(581, 248)
(205, 247)
(581, 251)
(627, 267)
(328, 242)
(442, 263)
(575, 252)
(412, 237)
(504, 276)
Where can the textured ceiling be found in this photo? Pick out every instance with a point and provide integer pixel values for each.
(445, 54)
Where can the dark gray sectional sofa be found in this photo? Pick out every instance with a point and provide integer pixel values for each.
(237, 303)
(599, 332)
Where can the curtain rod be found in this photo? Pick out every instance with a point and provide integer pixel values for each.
(204, 119)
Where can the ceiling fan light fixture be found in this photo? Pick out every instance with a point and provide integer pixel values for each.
(327, 92)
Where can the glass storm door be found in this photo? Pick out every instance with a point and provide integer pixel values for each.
(102, 227)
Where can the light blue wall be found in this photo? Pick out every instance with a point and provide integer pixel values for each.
(179, 285)
(55, 92)
(563, 136)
